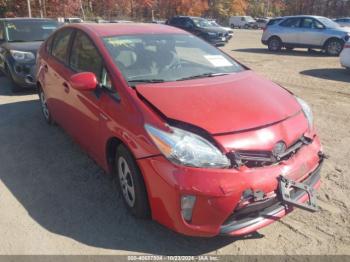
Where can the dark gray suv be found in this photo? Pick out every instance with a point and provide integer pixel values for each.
(202, 28)
(20, 38)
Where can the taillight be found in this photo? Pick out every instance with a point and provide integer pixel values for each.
(347, 45)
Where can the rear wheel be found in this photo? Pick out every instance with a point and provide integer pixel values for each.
(334, 47)
(131, 183)
(274, 44)
(44, 108)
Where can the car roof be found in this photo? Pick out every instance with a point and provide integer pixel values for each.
(113, 29)
(302, 16)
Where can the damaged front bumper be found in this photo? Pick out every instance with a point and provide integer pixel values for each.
(302, 196)
(218, 207)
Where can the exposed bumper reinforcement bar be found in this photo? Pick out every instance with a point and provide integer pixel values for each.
(271, 212)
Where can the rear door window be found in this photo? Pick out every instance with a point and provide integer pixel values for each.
(85, 57)
(291, 22)
(60, 45)
(2, 32)
(307, 23)
(175, 21)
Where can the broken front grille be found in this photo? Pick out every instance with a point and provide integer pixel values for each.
(266, 158)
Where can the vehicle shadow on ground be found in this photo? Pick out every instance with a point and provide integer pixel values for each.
(4, 91)
(335, 74)
(283, 52)
(65, 192)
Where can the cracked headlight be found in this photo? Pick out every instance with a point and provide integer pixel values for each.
(307, 111)
(186, 148)
(22, 56)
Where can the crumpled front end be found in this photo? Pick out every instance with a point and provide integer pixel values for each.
(241, 199)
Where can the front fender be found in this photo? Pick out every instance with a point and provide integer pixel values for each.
(40, 75)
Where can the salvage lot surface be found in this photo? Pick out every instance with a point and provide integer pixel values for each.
(55, 200)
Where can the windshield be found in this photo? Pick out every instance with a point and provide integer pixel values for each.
(165, 57)
(29, 30)
(201, 22)
(214, 23)
(328, 22)
(249, 19)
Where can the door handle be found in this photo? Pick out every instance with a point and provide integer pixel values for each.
(66, 87)
(103, 117)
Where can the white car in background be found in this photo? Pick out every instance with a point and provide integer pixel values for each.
(345, 56)
(242, 22)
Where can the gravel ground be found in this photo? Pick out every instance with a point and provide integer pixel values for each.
(56, 200)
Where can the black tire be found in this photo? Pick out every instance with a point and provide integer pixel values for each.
(124, 161)
(246, 26)
(46, 112)
(13, 86)
(333, 47)
(232, 26)
(274, 44)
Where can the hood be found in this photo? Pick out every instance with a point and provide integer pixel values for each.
(222, 104)
(341, 29)
(23, 46)
(213, 29)
(226, 29)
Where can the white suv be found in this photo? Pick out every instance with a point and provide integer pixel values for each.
(306, 32)
(345, 56)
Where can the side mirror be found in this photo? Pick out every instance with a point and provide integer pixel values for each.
(85, 81)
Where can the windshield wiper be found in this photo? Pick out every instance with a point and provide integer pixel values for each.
(146, 81)
(17, 40)
(202, 76)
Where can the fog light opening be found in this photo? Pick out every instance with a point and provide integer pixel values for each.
(187, 204)
(29, 79)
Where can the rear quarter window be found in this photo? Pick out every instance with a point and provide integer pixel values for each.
(273, 21)
(48, 45)
(60, 45)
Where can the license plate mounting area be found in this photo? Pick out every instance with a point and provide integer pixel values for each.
(287, 186)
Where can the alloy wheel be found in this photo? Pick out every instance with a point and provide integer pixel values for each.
(274, 44)
(334, 48)
(126, 181)
(44, 107)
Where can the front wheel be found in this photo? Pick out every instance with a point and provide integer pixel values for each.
(13, 86)
(131, 183)
(334, 47)
(274, 44)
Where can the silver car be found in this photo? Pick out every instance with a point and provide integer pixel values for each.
(345, 22)
(306, 32)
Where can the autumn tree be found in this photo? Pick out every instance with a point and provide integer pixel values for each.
(144, 9)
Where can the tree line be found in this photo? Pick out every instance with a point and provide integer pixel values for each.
(161, 9)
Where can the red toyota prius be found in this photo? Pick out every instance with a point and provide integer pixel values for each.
(197, 141)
